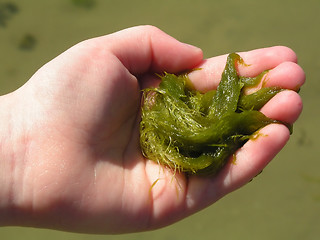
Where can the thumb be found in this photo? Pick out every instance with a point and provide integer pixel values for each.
(146, 48)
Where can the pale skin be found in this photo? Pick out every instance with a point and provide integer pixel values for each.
(69, 138)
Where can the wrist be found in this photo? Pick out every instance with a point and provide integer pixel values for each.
(10, 163)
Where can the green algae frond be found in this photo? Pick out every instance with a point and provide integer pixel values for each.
(196, 133)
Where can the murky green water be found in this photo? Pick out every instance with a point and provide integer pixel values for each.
(284, 201)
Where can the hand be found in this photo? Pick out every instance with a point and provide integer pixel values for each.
(70, 156)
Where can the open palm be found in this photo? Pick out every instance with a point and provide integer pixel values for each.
(78, 164)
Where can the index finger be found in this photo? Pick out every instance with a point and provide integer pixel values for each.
(256, 62)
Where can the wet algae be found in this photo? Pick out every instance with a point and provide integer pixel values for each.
(196, 133)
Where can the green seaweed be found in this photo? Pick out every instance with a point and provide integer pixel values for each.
(194, 132)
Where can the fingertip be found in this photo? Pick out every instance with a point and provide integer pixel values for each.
(284, 53)
(253, 157)
(288, 75)
(271, 55)
(262, 59)
(286, 106)
(247, 163)
(267, 143)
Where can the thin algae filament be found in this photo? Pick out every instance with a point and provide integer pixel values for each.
(195, 132)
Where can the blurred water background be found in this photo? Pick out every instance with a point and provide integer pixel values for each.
(284, 201)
